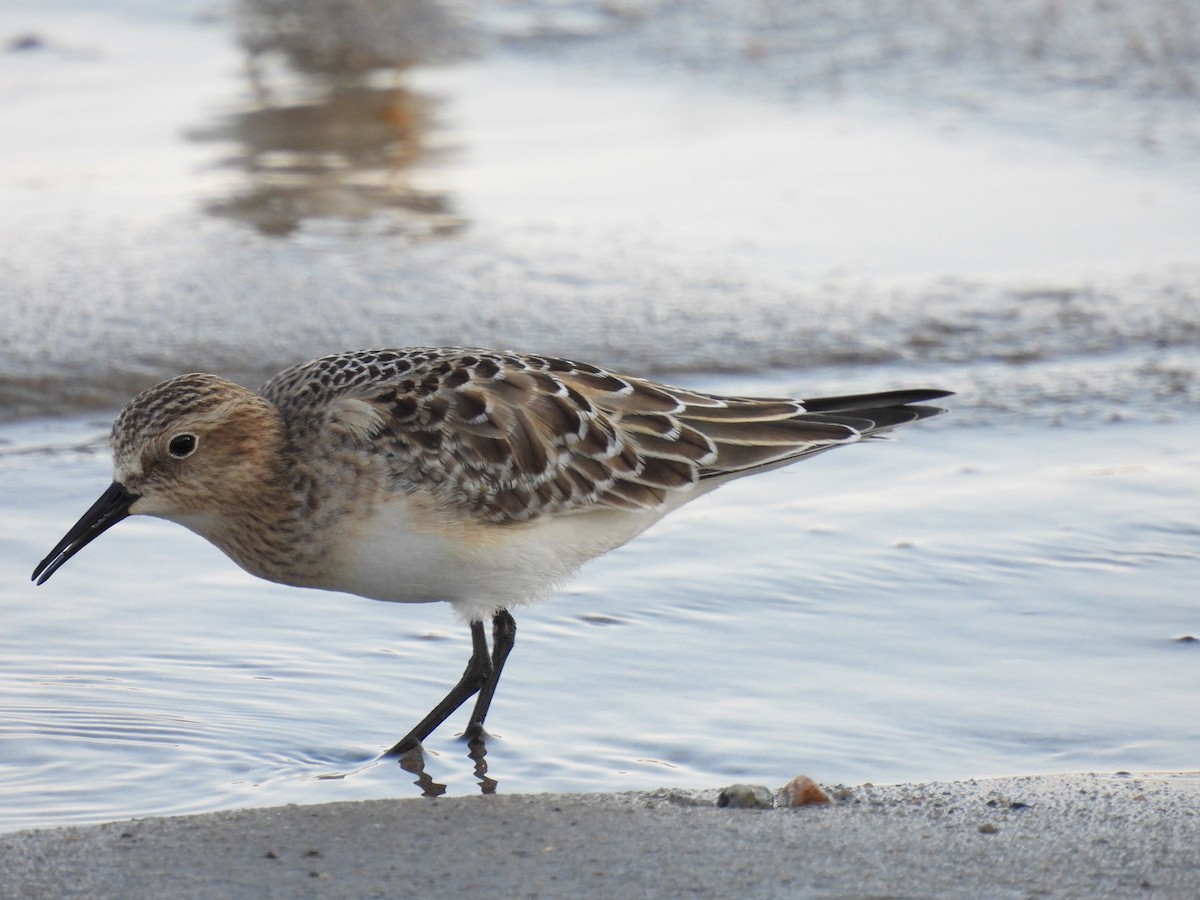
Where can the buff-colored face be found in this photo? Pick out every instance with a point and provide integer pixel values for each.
(179, 449)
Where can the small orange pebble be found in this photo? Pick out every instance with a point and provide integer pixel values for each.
(802, 791)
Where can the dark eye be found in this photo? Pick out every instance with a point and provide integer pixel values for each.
(182, 446)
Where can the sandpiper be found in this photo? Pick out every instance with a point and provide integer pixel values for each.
(481, 478)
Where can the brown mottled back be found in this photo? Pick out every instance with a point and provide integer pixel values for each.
(511, 437)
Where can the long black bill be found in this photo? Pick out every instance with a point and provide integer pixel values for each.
(111, 508)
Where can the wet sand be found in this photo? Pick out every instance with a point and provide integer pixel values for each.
(1090, 836)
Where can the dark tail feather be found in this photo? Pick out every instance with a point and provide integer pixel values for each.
(870, 414)
(867, 414)
(874, 402)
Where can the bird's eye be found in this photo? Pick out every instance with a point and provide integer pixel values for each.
(182, 446)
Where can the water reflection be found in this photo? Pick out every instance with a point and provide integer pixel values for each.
(477, 753)
(350, 39)
(413, 761)
(333, 133)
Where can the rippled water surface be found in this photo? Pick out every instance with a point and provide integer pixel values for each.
(964, 602)
(1003, 590)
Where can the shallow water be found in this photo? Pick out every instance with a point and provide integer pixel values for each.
(1002, 590)
(962, 602)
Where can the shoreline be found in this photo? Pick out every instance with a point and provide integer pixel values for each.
(1049, 835)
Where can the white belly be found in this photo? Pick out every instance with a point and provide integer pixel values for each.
(402, 554)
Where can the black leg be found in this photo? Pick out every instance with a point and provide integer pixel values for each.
(479, 673)
(504, 635)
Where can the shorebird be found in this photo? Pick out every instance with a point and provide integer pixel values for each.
(481, 478)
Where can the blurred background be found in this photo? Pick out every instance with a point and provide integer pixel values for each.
(777, 196)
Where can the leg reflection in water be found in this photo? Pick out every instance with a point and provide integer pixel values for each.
(413, 761)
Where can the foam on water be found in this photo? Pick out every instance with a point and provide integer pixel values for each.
(579, 215)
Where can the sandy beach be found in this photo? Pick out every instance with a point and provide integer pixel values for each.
(1089, 836)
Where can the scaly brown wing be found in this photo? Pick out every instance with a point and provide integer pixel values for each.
(511, 437)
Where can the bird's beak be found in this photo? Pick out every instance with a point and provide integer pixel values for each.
(111, 508)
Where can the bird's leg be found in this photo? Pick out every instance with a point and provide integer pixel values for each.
(478, 674)
(504, 635)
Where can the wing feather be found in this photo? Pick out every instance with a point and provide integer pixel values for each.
(510, 437)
